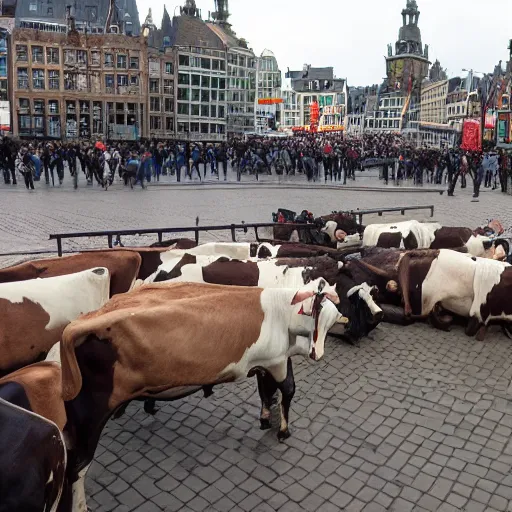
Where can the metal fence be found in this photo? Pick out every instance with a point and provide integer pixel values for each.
(232, 228)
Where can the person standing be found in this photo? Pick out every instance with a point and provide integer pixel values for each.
(222, 159)
(26, 167)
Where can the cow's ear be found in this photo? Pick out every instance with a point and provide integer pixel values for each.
(301, 296)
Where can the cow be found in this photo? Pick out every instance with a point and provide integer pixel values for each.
(123, 267)
(356, 302)
(35, 312)
(278, 249)
(163, 336)
(33, 461)
(176, 243)
(474, 288)
(417, 235)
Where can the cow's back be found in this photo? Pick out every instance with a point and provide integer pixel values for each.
(451, 238)
(122, 265)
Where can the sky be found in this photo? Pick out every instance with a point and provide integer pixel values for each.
(352, 35)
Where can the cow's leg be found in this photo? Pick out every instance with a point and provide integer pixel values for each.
(150, 406)
(267, 388)
(443, 323)
(287, 388)
(480, 335)
(472, 327)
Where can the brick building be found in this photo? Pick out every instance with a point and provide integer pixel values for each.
(76, 85)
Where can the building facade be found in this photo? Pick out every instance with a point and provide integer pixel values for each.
(75, 85)
(316, 85)
(7, 20)
(269, 96)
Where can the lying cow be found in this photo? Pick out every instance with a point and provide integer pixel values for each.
(417, 235)
(186, 335)
(123, 267)
(33, 461)
(34, 313)
(356, 301)
(474, 288)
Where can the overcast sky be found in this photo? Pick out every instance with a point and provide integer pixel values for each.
(352, 35)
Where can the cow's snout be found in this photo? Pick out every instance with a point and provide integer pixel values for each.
(378, 317)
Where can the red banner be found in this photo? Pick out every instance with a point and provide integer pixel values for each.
(471, 136)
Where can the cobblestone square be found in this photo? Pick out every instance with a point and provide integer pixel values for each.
(410, 419)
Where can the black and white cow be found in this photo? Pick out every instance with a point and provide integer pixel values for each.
(474, 288)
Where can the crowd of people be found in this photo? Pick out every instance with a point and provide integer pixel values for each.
(317, 156)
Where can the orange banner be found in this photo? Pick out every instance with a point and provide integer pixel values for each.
(269, 101)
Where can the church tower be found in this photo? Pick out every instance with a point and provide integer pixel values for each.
(409, 65)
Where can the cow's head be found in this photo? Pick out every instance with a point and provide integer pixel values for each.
(364, 314)
(335, 234)
(318, 301)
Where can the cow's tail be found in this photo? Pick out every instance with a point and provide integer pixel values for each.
(71, 375)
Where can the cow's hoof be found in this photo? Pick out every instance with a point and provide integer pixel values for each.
(480, 335)
(265, 424)
(283, 435)
(150, 407)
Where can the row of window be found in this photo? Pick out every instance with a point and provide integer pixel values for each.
(457, 110)
(203, 95)
(217, 111)
(155, 123)
(202, 62)
(391, 102)
(52, 56)
(241, 60)
(383, 123)
(204, 128)
(154, 86)
(212, 82)
(155, 104)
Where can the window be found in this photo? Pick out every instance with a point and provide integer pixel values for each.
(22, 78)
(134, 80)
(38, 106)
(183, 79)
(194, 127)
(222, 95)
(24, 104)
(134, 62)
(196, 94)
(205, 81)
(169, 68)
(52, 56)
(168, 87)
(49, 11)
(37, 55)
(194, 110)
(109, 60)
(38, 78)
(95, 58)
(54, 80)
(213, 111)
(222, 113)
(215, 82)
(169, 124)
(53, 106)
(70, 81)
(204, 110)
(169, 105)
(155, 123)
(204, 127)
(196, 80)
(154, 86)
(109, 81)
(222, 83)
(213, 95)
(154, 104)
(215, 64)
(69, 57)
(82, 57)
(32, 7)
(184, 60)
(121, 61)
(21, 53)
(183, 108)
(122, 80)
(205, 96)
(206, 63)
(183, 94)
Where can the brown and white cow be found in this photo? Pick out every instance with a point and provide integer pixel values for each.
(474, 288)
(35, 312)
(417, 235)
(123, 267)
(185, 334)
(33, 460)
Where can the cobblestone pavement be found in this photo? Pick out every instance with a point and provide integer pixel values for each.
(411, 419)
